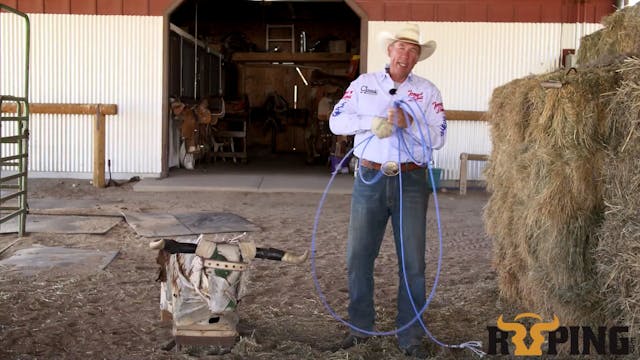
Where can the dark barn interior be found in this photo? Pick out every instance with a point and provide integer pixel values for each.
(277, 66)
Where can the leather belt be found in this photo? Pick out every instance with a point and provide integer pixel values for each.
(225, 265)
(390, 168)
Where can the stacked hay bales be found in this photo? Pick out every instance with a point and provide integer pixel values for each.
(618, 250)
(544, 173)
(562, 214)
(619, 37)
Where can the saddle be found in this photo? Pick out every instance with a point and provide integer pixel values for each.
(193, 121)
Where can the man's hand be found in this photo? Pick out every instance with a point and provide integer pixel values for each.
(381, 127)
(402, 121)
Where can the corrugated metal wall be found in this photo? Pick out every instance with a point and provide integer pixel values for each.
(471, 60)
(12, 51)
(12, 54)
(92, 59)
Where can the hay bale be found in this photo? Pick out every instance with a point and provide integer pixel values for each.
(618, 250)
(620, 36)
(589, 49)
(512, 108)
(544, 172)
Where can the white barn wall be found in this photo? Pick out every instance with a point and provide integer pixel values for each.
(470, 61)
(12, 54)
(92, 59)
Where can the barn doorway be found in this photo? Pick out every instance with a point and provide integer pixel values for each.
(268, 70)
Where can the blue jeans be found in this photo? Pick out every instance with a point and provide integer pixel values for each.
(371, 207)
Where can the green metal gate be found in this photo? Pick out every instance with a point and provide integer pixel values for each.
(14, 142)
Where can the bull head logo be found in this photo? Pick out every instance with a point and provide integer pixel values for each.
(535, 332)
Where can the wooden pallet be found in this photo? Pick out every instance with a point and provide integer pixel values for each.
(210, 335)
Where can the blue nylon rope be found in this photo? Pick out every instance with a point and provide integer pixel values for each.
(474, 346)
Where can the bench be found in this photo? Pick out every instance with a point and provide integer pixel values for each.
(464, 158)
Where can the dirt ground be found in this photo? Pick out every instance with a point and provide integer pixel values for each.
(115, 314)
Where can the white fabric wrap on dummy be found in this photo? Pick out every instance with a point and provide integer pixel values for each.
(199, 293)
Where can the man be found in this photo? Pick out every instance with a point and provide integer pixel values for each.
(371, 106)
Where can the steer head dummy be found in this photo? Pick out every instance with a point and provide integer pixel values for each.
(220, 255)
(211, 250)
(202, 280)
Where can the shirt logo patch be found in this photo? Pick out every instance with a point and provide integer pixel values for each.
(347, 94)
(416, 96)
(437, 107)
(365, 90)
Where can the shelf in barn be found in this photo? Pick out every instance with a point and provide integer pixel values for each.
(290, 57)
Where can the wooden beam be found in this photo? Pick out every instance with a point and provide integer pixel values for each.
(290, 57)
(76, 109)
(464, 115)
(99, 124)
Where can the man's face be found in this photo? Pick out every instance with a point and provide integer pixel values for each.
(403, 57)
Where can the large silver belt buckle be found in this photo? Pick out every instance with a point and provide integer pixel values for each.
(390, 168)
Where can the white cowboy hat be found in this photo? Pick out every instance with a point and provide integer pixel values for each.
(410, 33)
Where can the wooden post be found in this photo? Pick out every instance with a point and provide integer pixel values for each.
(99, 135)
(463, 173)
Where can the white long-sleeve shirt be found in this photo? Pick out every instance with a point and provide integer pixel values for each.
(369, 96)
